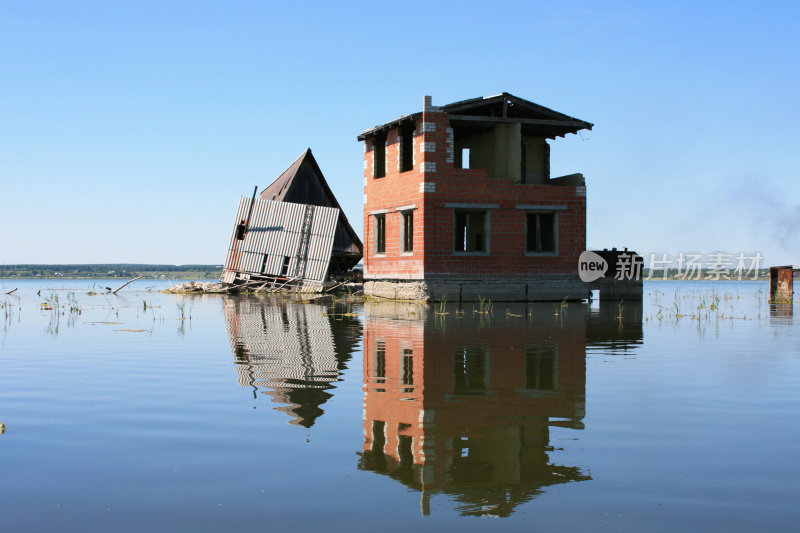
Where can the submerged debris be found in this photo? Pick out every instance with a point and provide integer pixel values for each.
(198, 286)
(202, 287)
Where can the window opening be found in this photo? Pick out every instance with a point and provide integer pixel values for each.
(380, 234)
(541, 232)
(470, 231)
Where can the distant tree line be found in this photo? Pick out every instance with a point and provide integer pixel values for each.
(110, 270)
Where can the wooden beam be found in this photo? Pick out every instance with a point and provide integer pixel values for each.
(532, 121)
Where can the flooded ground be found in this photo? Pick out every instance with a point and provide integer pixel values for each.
(147, 411)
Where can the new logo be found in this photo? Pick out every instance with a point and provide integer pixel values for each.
(591, 266)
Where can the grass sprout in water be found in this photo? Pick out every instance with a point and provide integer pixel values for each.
(707, 306)
(485, 306)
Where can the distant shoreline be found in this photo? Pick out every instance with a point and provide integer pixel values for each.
(109, 271)
(196, 271)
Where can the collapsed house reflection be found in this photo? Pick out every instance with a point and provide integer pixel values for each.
(464, 403)
(291, 352)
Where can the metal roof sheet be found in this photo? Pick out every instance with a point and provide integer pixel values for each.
(275, 232)
(313, 190)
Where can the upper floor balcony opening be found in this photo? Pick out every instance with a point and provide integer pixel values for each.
(507, 136)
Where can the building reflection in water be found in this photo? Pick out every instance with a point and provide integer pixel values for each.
(464, 404)
(780, 313)
(292, 352)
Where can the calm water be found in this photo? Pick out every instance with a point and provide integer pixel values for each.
(260, 414)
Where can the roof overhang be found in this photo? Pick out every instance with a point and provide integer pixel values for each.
(531, 127)
(478, 114)
(383, 128)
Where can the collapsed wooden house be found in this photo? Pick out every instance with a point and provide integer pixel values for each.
(293, 235)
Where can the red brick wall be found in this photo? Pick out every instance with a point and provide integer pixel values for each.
(433, 254)
(504, 405)
(387, 400)
(396, 189)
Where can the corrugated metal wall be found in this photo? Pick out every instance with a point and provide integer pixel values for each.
(307, 189)
(275, 231)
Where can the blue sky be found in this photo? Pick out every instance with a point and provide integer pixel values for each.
(128, 130)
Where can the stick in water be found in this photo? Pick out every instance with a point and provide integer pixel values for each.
(127, 283)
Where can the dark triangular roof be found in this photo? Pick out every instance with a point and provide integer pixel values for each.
(536, 119)
(510, 106)
(304, 183)
(278, 188)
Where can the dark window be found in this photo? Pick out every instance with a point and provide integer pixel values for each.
(405, 450)
(285, 267)
(379, 155)
(264, 264)
(541, 232)
(407, 148)
(470, 231)
(408, 231)
(380, 362)
(408, 369)
(469, 371)
(540, 368)
(380, 234)
(241, 230)
(378, 436)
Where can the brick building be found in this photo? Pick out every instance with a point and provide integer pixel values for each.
(459, 204)
(469, 405)
(465, 410)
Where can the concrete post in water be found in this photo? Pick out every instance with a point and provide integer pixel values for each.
(781, 282)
